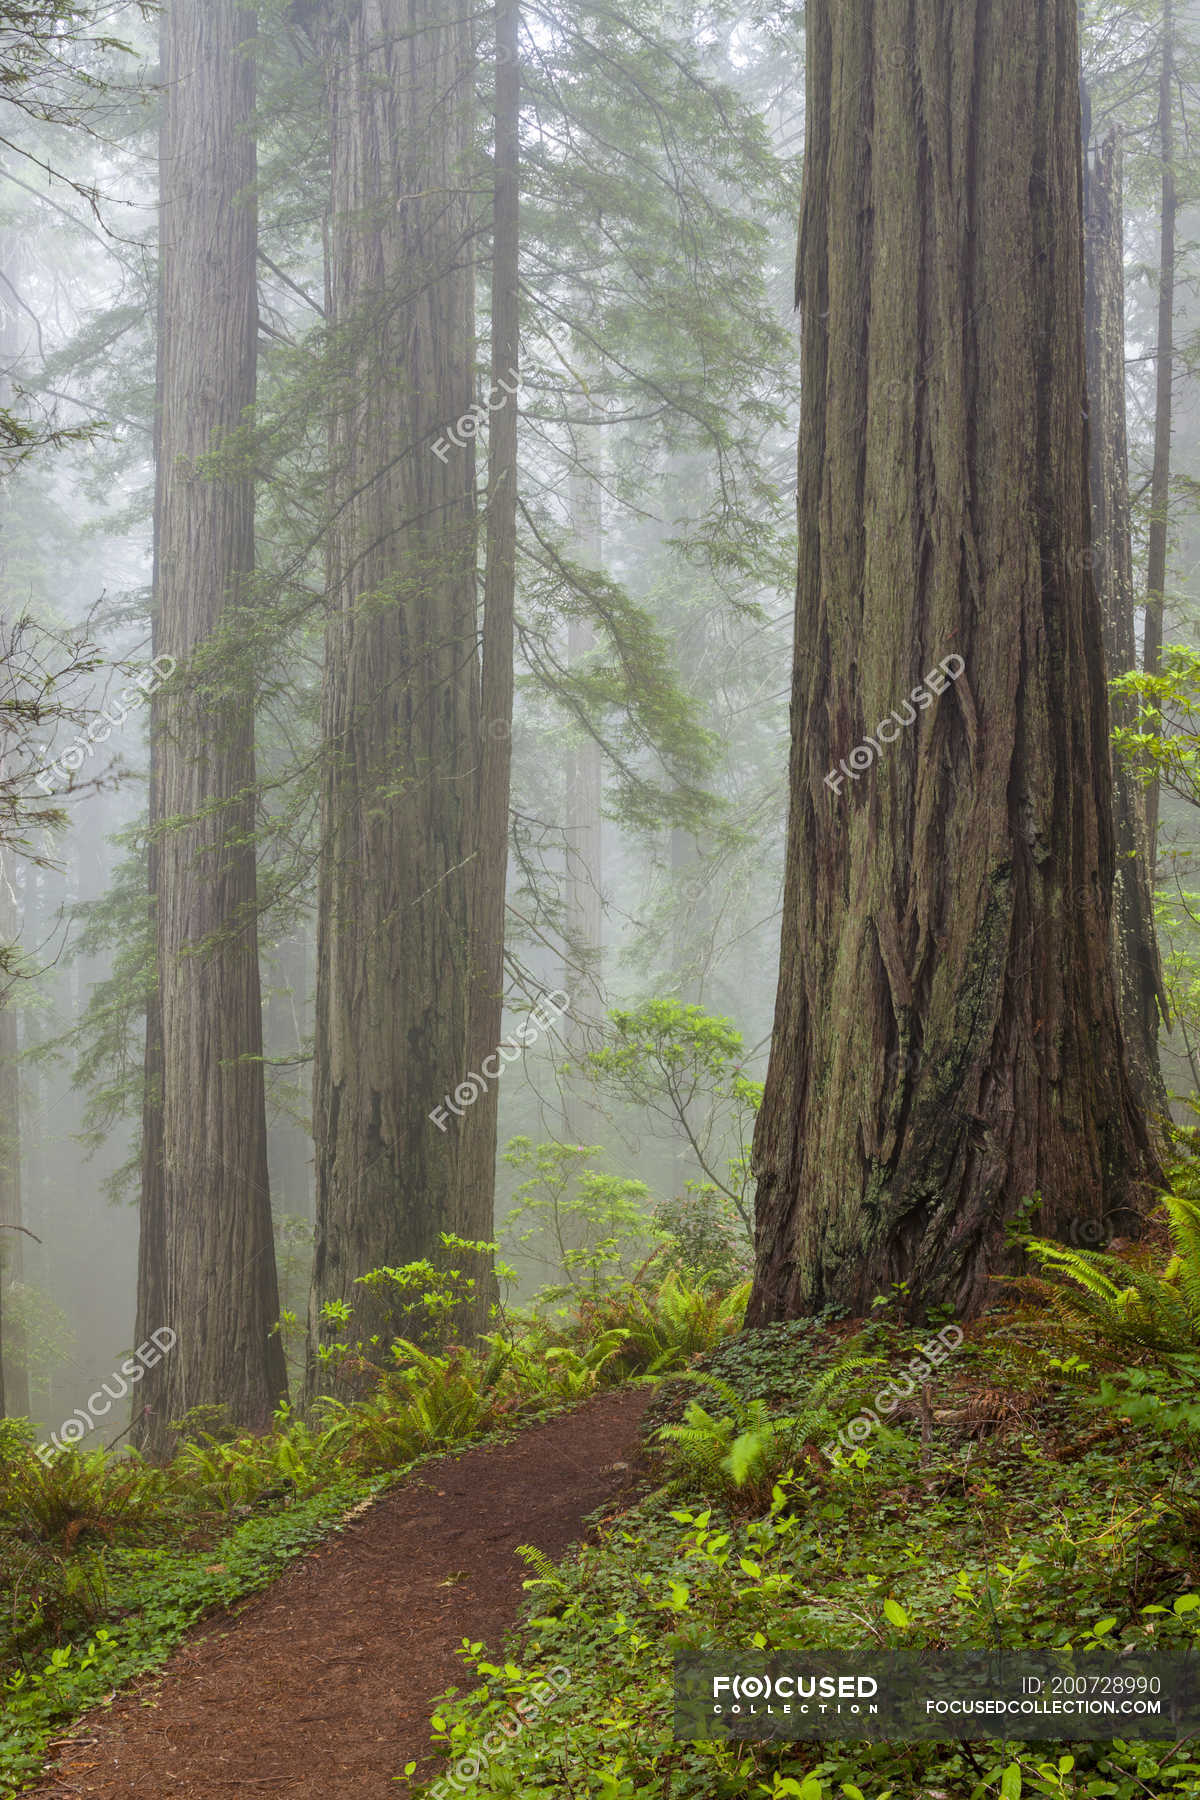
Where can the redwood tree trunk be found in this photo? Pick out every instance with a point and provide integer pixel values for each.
(946, 1037)
(583, 911)
(499, 600)
(1135, 945)
(14, 1376)
(221, 1298)
(150, 1416)
(1160, 478)
(401, 696)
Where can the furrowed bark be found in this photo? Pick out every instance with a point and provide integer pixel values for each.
(946, 1039)
(222, 1298)
(499, 598)
(401, 702)
(1160, 474)
(1140, 990)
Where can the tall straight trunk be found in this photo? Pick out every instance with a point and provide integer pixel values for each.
(14, 1376)
(400, 707)
(1140, 991)
(150, 1415)
(946, 1036)
(583, 912)
(14, 1385)
(1160, 476)
(221, 1293)
(499, 597)
(289, 1143)
(14, 1379)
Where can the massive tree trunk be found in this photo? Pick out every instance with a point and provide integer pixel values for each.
(401, 697)
(1140, 991)
(946, 1038)
(1160, 479)
(221, 1293)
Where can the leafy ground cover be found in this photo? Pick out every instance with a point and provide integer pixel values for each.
(106, 1561)
(1013, 1502)
(150, 1595)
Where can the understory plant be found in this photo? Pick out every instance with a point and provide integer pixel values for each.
(668, 1320)
(582, 1229)
(1037, 1533)
(1097, 1299)
(682, 1065)
(746, 1449)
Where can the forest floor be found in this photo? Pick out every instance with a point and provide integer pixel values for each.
(322, 1685)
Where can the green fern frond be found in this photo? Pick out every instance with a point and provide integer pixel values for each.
(546, 1575)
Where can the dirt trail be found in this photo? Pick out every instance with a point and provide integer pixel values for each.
(321, 1686)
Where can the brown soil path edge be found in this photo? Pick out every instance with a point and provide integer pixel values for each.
(320, 1687)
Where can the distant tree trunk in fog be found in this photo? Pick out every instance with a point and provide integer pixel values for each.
(1160, 479)
(583, 910)
(221, 1293)
(150, 1414)
(1135, 944)
(401, 700)
(14, 1377)
(289, 1142)
(946, 1036)
(499, 600)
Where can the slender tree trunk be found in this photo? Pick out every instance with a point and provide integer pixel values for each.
(1160, 478)
(401, 698)
(946, 1037)
(289, 1140)
(221, 1292)
(499, 596)
(583, 912)
(1135, 945)
(152, 1305)
(14, 1379)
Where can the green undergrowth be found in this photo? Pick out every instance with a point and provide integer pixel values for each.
(151, 1595)
(1010, 1502)
(106, 1559)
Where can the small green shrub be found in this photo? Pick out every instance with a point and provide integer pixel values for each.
(230, 1473)
(706, 1238)
(17, 1438)
(430, 1403)
(583, 1229)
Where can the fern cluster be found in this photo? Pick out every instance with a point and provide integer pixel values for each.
(664, 1326)
(748, 1448)
(1096, 1299)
